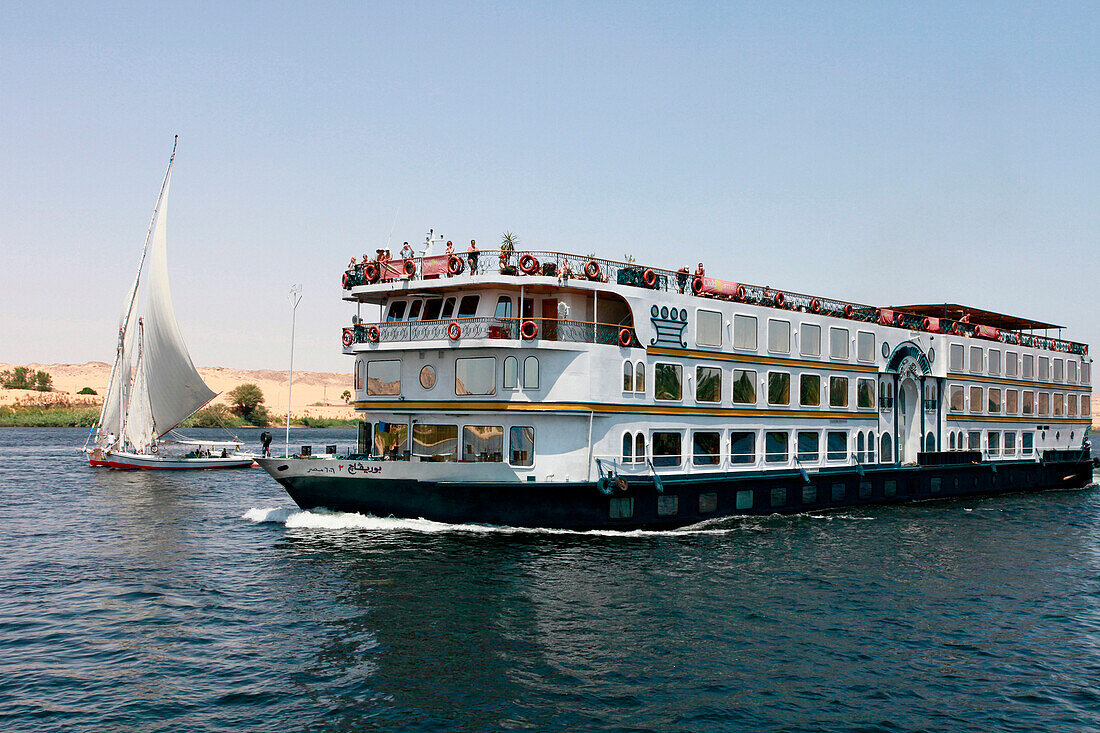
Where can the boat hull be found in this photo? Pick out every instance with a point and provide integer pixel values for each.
(682, 501)
(134, 462)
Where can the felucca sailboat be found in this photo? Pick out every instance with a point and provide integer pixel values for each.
(154, 385)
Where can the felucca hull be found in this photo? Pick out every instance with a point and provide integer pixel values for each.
(133, 461)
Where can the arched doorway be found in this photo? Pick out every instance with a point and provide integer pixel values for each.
(909, 428)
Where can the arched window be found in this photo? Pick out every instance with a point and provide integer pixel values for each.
(887, 449)
(859, 448)
(358, 374)
(628, 376)
(930, 443)
(951, 440)
(531, 372)
(511, 369)
(628, 445)
(639, 448)
(639, 377)
(870, 446)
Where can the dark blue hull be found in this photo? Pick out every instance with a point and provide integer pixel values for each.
(683, 501)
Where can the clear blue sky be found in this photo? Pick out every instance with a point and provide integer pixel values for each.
(880, 152)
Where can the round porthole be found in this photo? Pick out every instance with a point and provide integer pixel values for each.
(931, 356)
(427, 376)
(885, 349)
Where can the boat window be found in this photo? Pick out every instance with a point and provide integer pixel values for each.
(744, 499)
(809, 339)
(779, 336)
(639, 377)
(511, 372)
(414, 310)
(994, 442)
(1058, 399)
(708, 328)
(1010, 443)
(887, 396)
(628, 448)
(384, 377)
(887, 452)
(994, 399)
(930, 442)
(666, 449)
(1071, 371)
(504, 307)
(521, 441)
(668, 379)
(809, 390)
(779, 388)
(951, 441)
(859, 447)
(531, 372)
(391, 440)
(448, 308)
(708, 384)
(483, 443)
(1044, 403)
(778, 496)
(956, 400)
(744, 386)
(1086, 372)
(1058, 370)
(838, 445)
(364, 438)
(427, 376)
(1044, 368)
(977, 359)
(742, 447)
(838, 391)
(1028, 403)
(808, 446)
(1027, 443)
(974, 440)
(628, 376)
(639, 448)
(1029, 367)
(838, 343)
(432, 308)
(1012, 401)
(865, 393)
(358, 383)
(475, 376)
(706, 448)
(708, 502)
(975, 399)
(1071, 405)
(468, 307)
(870, 446)
(994, 361)
(776, 446)
(435, 442)
(744, 332)
(865, 346)
(1012, 363)
(1086, 406)
(955, 357)
(397, 311)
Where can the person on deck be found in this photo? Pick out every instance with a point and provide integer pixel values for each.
(351, 265)
(699, 271)
(682, 278)
(407, 251)
(471, 256)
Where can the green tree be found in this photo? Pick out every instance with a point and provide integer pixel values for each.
(346, 397)
(18, 378)
(87, 390)
(245, 399)
(508, 241)
(43, 382)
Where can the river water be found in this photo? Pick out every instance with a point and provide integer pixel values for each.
(204, 601)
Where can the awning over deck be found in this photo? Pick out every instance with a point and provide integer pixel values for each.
(955, 312)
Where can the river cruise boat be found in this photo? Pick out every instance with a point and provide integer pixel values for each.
(543, 389)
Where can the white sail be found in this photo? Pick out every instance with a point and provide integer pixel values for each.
(139, 414)
(173, 385)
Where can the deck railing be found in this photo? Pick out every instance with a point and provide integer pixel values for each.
(526, 329)
(572, 267)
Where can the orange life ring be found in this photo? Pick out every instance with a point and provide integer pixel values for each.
(780, 300)
(344, 281)
(528, 264)
(410, 268)
(347, 337)
(849, 310)
(372, 334)
(815, 305)
(592, 270)
(740, 293)
(528, 330)
(625, 338)
(455, 266)
(370, 272)
(697, 285)
(649, 277)
(454, 331)
(956, 328)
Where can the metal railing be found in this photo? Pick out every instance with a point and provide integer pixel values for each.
(527, 329)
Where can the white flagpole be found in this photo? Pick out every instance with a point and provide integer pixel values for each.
(295, 298)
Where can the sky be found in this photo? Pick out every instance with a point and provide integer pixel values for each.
(884, 153)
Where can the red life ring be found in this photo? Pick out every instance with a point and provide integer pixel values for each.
(780, 300)
(625, 338)
(344, 281)
(815, 305)
(740, 294)
(956, 328)
(410, 268)
(649, 277)
(899, 320)
(592, 270)
(454, 331)
(849, 310)
(454, 265)
(370, 272)
(697, 285)
(347, 337)
(528, 330)
(528, 264)
(372, 334)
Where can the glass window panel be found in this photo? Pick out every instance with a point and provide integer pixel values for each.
(1058, 400)
(1012, 363)
(1044, 368)
(994, 440)
(809, 390)
(628, 376)
(1071, 404)
(809, 339)
(1027, 442)
(511, 372)
(744, 386)
(414, 310)
(956, 357)
(467, 308)
(668, 379)
(639, 378)
(838, 391)
(994, 403)
(837, 445)
(808, 446)
(838, 343)
(1071, 372)
(779, 388)
(975, 399)
(708, 328)
(628, 448)
(742, 447)
(994, 361)
(1086, 373)
(706, 448)
(974, 440)
(779, 336)
(475, 376)
(1086, 405)
(639, 448)
(957, 399)
(432, 308)
(483, 443)
(708, 384)
(1059, 368)
(865, 393)
(744, 332)
(448, 308)
(865, 346)
(521, 442)
(531, 372)
(776, 447)
(435, 442)
(1029, 366)
(1012, 401)
(384, 377)
(1044, 403)
(504, 307)
(1029, 403)
(1010, 443)
(391, 440)
(666, 449)
(977, 359)
(396, 311)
